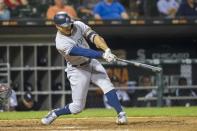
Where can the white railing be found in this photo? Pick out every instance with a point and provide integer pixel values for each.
(5, 73)
(5, 80)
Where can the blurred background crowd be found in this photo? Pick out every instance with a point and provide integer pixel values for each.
(97, 9)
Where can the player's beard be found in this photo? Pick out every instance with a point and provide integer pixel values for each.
(66, 32)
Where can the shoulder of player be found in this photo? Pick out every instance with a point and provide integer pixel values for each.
(61, 37)
(81, 26)
(79, 23)
(60, 46)
(63, 42)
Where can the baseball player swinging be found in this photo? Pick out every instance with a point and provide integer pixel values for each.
(82, 66)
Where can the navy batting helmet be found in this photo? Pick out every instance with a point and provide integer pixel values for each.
(62, 19)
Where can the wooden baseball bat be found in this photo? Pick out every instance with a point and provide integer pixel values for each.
(138, 64)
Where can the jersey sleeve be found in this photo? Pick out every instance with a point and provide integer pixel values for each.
(67, 49)
(84, 28)
(64, 47)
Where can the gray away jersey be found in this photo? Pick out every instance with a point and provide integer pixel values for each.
(64, 44)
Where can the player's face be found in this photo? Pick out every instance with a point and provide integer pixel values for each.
(65, 30)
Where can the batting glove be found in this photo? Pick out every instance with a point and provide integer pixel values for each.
(108, 50)
(109, 57)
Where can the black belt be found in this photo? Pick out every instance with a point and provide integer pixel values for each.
(82, 64)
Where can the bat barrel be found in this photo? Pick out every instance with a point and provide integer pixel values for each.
(145, 66)
(153, 68)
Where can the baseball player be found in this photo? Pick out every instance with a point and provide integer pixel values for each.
(82, 66)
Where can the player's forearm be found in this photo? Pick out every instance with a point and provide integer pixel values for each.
(78, 51)
(100, 43)
(96, 39)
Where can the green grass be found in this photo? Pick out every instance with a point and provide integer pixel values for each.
(132, 112)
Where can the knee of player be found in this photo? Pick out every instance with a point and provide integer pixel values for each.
(76, 108)
(107, 89)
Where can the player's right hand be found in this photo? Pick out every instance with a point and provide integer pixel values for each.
(108, 56)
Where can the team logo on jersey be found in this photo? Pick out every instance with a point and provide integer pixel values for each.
(80, 41)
